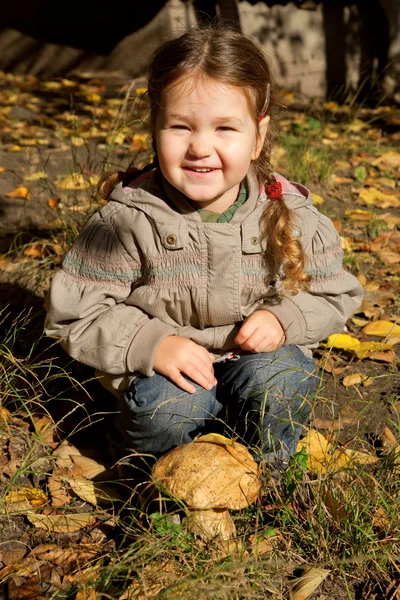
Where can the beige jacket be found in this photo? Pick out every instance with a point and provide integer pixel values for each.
(146, 267)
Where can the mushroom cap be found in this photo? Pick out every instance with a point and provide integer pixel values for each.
(209, 475)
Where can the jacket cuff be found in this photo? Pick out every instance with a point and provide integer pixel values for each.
(291, 319)
(140, 354)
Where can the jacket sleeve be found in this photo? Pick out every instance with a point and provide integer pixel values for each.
(334, 294)
(86, 307)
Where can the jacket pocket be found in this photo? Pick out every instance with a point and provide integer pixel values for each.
(173, 234)
(251, 238)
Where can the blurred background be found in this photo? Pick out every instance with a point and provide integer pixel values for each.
(318, 48)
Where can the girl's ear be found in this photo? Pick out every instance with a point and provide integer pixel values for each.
(262, 132)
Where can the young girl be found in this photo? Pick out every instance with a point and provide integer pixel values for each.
(201, 286)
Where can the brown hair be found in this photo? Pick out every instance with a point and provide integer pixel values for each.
(233, 59)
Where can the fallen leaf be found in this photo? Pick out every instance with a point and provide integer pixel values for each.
(360, 458)
(309, 581)
(387, 160)
(377, 198)
(370, 349)
(36, 176)
(53, 203)
(388, 257)
(60, 555)
(35, 251)
(75, 181)
(343, 341)
(90, 468)
(382, 328)
(93, 98)
(359, 322)
(317, 199)
(62, 523)
(389, 441)
(92, 492)
(58, 488)
(77, 141)
(380, 519)
(321, 455)
(355, 379)
(116, 138)
(335, 507)
(87, 594)
(19, 192)
(358, 214)
(35, 496)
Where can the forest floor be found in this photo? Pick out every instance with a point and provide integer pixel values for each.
(70, 526)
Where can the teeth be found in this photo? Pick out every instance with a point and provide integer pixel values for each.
(200, 170)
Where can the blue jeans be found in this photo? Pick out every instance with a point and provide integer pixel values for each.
(263, 398)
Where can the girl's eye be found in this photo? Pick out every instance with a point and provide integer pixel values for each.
(179, 127)
(223, 128)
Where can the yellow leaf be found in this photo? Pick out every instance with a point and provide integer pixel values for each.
(140, 141)
(2, 169)
(389, 441)
(35, 496)
(77, 141)
(309, 581)
(380, 519)
(62, 523)
(343, 341)
(358, 214)
(35, 251)
(19, 192)
(92, 492)
(94, 180)
(354, 379)
(321, 456)
(359, 322)
(52, 85)
(376, 197)
(93, 98)
(382, 328)
(116, 138)
(36, 176)
(362, 279)
(216, 438)
(369, 349)
(357, 125)
(140, 91)
(75, 181)
(361, 458)
(387, 160)
(317, 199)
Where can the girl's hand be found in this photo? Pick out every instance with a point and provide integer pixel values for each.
(176, 355)
(260, 332)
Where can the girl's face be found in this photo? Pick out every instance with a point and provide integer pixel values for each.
(206, 139)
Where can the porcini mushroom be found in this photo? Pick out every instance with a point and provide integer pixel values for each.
(211, 475)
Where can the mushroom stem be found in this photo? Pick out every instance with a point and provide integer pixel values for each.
(211, 523)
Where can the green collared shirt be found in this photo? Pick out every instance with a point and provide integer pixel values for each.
(207, 216)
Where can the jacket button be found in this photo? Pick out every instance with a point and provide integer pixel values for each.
(171, 239)
(254, 241)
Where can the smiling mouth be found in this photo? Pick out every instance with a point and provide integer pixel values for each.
(200, 169)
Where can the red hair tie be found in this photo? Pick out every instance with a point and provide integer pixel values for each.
(274, 190)
(130, 171)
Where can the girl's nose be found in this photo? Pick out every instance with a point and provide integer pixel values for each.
(200, 145)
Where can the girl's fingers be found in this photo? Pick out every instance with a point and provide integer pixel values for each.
(203, 378)
(255, 341)
(181, 382)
